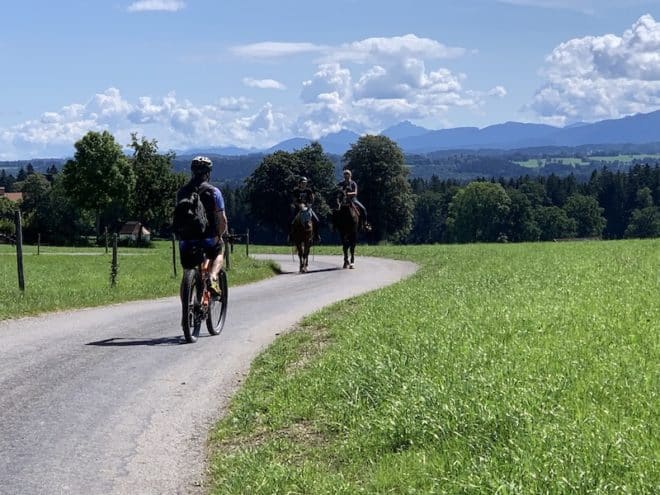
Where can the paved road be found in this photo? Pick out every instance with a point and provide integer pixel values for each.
(111, 400)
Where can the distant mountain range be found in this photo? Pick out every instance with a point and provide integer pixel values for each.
(636, 129)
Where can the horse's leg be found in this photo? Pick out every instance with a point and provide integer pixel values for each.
(345, 248)
(351, 247)
(299, 247)
(307, 247)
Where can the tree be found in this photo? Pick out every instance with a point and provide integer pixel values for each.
(587, 214)
(429, 218)
(644, 222)
(67, 224)
(36, 205)
(554, 223)
(155, 186)
(521, 224)
(99, 178)
(379, 169)
(7, 211)
(269, 188)
(479, 213)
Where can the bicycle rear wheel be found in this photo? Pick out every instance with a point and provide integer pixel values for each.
(190, 305)
(215, 320)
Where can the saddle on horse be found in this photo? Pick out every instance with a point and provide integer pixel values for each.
(357, 212)
(302, 218)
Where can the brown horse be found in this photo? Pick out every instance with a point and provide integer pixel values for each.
(346, 220)
(302, 234)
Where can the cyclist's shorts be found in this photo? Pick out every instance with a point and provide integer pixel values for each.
(192, 252)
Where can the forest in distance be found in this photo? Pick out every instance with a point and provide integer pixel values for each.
(487, 197)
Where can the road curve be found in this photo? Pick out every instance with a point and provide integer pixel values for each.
(109, 401)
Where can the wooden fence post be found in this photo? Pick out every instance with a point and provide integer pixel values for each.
(19, 250)
(106, 239)
(38, 244)
(113, 266)
(247, 243)
(174, 254)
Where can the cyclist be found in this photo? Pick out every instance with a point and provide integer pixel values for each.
(208, 242)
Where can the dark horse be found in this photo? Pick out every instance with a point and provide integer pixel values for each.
(346, 220)
(302, 234)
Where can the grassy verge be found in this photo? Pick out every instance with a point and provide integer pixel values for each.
(66, 278)
(495, 369)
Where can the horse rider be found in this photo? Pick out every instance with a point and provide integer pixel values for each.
(349, 189)
(304, 194)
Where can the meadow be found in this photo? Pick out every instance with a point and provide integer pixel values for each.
(578, 162)
(61, 278)
(521, 368)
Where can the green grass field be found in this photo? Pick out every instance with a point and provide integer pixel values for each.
(578, 162)
(66, 278)
(529, 368)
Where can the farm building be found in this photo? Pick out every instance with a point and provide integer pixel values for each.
(12, 196)
(131, 231)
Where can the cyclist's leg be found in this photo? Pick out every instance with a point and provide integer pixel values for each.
(215, 253)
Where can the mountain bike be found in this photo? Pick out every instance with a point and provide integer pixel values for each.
(199, 303)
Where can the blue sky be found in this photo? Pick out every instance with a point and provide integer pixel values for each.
(198, 73)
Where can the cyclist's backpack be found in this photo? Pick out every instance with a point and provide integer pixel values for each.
(189, 219)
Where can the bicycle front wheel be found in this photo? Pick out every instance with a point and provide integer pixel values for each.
(215, 320)
(190, 305)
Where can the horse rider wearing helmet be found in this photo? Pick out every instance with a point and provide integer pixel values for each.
(304, 194)
(349, 189)
(210, 242)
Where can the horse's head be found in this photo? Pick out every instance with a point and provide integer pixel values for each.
(342, 199)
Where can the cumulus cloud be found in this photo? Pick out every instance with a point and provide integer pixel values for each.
(598, 77)
(376, 82)
(497, 92)
(156, 5)
(395, 47)
(175, 123)
(263, 83)
(364, 86)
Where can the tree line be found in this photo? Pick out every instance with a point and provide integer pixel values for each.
(103, 187)
(99, 188)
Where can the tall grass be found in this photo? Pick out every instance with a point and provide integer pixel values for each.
(66, 278)
(495, 369)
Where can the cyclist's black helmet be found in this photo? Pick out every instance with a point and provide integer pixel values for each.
(302, 179)
(201, 164)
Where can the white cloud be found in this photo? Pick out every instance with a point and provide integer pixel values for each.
(274, 49)
(263, 83)
(396, 47)
(598, 77)
(498, 92)
(232, 104)
(397, 85)
(156, 5)
(362, 86)
(589, 7)
(363, 51)
(173, 122)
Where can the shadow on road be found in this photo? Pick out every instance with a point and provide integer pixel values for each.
(122, 342)
(319, 270)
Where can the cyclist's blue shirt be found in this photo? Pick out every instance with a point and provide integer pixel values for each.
(209, 242)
